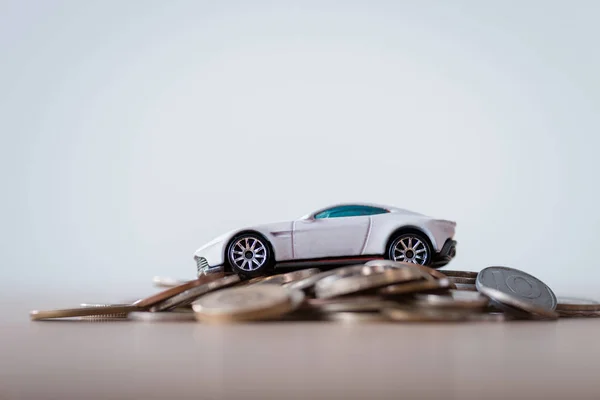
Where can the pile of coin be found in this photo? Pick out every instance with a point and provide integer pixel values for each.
(378, 291)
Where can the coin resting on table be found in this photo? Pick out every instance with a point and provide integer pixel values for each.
(378, 291)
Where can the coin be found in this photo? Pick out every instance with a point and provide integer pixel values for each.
(288, 277)
(163, 316)
(356, 317)
(161, 281)
(415, 287)
(517, 289)
(466, 287)
(362, 283)
(515, 306)
(307, 283)
(406, 314)
(212, 282)
(578, 314)
(352, 270)
(82, 312)
(164, 295)
(248, 303)
(349, 304)
(454, 299)
(399, 264)
(575, 304)
(107, 316)
(460, 274)
(465, 281)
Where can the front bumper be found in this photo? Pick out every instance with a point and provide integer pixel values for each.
(204, 269)
(446, 254)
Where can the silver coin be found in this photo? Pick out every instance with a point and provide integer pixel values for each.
(517, 289)
(192, 294)
(454, 299)
(576, 304)
(361, 283)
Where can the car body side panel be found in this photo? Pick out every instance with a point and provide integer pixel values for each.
(330, 237)
(385, 224)
(279, 234)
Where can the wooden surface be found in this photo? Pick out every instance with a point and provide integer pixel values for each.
(143, 360)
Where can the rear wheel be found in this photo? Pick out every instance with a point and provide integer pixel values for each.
(250, 255)
(410, 247)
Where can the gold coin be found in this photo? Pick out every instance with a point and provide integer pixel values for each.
(188, 296)
(455, 299)
(349, 304)
(289, 277)
(578, 314)
(104, 317)
(247, 303)
(356, 317)
(82, 312)
(576, 304)
(163, 316)
(161, 281)
(465, 281)
(466, 287)
(460, 274)
(164, 295)
(362, 283)
(424, 315)
(415, 287)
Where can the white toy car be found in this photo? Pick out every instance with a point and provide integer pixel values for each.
(340, 234)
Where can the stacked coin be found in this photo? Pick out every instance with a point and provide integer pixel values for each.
(378, 291)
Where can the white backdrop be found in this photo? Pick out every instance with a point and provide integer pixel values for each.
(133, 132)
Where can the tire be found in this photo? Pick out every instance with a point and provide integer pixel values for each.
(250, 255)
(410, 247)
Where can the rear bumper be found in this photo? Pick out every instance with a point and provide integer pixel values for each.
(446, 254)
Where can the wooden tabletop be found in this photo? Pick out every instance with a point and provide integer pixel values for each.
(298, 360)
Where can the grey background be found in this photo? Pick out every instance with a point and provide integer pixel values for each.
(133, 132)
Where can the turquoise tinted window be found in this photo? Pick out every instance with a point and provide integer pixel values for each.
(349, 211)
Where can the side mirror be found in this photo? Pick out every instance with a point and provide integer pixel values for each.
(308, 218)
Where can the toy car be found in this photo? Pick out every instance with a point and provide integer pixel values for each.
(336, 235)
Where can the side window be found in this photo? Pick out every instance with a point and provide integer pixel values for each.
(346, 212)
(374, 210)
(349, 211)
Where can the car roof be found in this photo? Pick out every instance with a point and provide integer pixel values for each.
(388, 208)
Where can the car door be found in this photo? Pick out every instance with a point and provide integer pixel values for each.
(340, 234)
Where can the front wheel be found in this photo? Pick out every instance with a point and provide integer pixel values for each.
(250, 255)
(410, 247)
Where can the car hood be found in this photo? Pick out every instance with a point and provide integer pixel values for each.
(265, 229)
